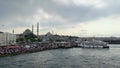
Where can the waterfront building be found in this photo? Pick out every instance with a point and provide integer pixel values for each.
(1, 38)
(7, 38)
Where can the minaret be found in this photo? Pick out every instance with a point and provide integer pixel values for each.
(13, 37)
(32, 29)
(38, 29)
(13, 32)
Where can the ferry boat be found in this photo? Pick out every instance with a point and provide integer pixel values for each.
(93, 44)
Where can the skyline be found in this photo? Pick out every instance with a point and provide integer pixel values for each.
(64, 17)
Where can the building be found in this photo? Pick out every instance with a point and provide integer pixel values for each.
(7, 38)
(1, 38)
(48, 37)
(63, 44)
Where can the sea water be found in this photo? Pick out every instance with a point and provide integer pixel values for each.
(66, 58)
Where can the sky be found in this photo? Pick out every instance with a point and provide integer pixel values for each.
(83, 18)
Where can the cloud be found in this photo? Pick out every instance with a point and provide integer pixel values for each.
(60, 15)
(86, 10)
(103, 27)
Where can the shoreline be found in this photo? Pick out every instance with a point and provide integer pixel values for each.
(39, 50)
(30, 51)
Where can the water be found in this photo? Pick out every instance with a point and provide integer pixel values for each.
(66, 58)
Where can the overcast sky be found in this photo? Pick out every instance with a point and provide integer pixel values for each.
(64, 17)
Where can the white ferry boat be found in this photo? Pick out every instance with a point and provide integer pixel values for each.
(93, 44)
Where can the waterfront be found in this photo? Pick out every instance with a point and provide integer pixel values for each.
(66, 58)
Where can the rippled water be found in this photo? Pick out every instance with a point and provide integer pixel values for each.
(66, 58)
